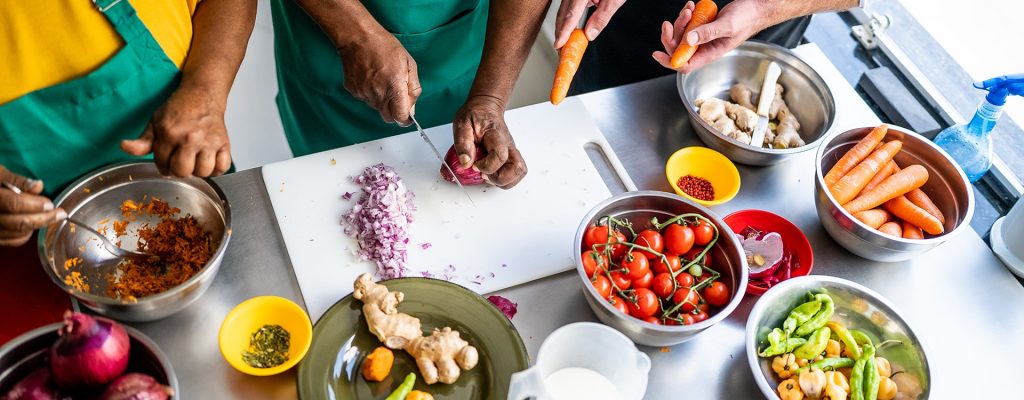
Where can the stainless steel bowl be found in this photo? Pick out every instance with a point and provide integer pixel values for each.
(856, 307)
(947, 186)
(806, 94)
(98, 197)
(638, 208)
(30, 351)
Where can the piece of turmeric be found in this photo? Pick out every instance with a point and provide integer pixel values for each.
(377, 364)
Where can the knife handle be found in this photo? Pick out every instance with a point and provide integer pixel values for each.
(768, 88)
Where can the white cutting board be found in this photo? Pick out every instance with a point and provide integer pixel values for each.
(510, 237)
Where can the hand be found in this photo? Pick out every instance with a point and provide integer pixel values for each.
(736, 23)
(187, 135)
(21, 214)
(381, 73)
(482, 120)
(570, 12)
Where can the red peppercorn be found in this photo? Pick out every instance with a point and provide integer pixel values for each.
(697, 187)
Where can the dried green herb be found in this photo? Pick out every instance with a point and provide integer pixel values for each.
(268, 347)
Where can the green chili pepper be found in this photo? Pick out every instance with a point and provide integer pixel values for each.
(827, 364)
(820, 318)
(815, 344)
(403, 389)
(793, 343)
(871, 379)
(860, 337)
(800, 314)
(846, 337)
(857, 377)
(776, 344)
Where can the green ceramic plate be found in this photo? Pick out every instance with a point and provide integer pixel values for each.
(341, 340)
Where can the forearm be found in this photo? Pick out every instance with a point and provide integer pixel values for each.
(783, 10)
(343, 21)
(511, 30)
(220, 34)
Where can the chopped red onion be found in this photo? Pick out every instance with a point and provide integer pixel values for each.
(506, 306)
(425, 246)
(380, 220)
(347, 196)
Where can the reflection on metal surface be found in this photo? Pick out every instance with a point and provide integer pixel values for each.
(867, 33)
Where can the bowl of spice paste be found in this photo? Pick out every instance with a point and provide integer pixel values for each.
(265, 335)
(184, 222)
(702, 175)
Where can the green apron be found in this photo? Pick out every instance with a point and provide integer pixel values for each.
(445, 37)
(59, 133)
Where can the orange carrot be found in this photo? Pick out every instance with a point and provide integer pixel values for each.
(911, 231)
(921, 199)
(569, 57)
(703, 12)
(860, 151)
(852, 183)
(894, 186)
(873, 218)
(903, 209)
(891, 229)
(377, 364)
(887, 171)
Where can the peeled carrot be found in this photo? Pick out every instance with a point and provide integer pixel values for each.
(853, 183)
(377, 364)
(894, 186)
(903, 209)
(921, 199)
(887, 171)
(569, 58)
(860, 151)
(911, 231)
(873, 218)
(703, 12)
(891, 229)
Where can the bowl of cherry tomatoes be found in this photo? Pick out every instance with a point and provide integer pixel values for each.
(658, 267)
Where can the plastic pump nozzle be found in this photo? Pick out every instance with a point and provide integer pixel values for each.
(1000, 87)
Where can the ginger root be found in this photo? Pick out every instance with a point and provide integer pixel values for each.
(788, 131)
(744, 117)
(713, 111)
(438, 356)
(741, 94)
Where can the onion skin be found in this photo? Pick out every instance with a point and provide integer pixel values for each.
(136, 386)
(35, 386)
(91, 352)
(466, 176)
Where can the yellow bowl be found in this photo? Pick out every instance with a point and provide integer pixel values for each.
(708, 164)
(249, 316)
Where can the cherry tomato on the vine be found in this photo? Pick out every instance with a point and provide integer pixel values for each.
(598, 235)
(678, 239)
(618, 303)
(652, 239)
(717, 294)
(684, 280)
(694, 252)
(662, 285)
(673, 264)
(703, 233)
(687, 319)
(646, 304)
(700, 316)
(688, 298)
(592, 261)
(644, 281)
(602, 285)
(620, 280)
(652, 320)
(636, 263)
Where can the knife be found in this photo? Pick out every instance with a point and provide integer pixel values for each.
(764, 102)
(438, 154)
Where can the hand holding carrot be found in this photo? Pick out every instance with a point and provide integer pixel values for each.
(571, 11)
(733, 25)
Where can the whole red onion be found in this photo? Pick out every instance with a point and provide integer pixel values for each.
(467, 176)
(136, 386)
(90, 352)
(35, 386)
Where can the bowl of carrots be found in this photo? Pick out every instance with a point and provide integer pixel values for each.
(888, 194)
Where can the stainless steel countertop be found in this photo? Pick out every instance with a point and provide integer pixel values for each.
(958, 298)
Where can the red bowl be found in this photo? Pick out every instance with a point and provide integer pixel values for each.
(793, 239)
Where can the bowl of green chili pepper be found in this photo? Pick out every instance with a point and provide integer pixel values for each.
(821, 336)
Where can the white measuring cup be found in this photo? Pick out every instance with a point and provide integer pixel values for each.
(590, 346)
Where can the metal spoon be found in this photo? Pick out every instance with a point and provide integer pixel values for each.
(107, 244)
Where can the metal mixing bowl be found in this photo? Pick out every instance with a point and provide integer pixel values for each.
(98, 197)
(30, 351)
(947, 186)
(638, 208)
(805, 93)
(857, 307)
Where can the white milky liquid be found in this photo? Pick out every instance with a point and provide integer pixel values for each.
(580, 383)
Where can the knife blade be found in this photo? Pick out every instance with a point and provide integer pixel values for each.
(764, 102)
(439, 158)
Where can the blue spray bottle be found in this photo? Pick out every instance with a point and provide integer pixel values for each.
(971, 145)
